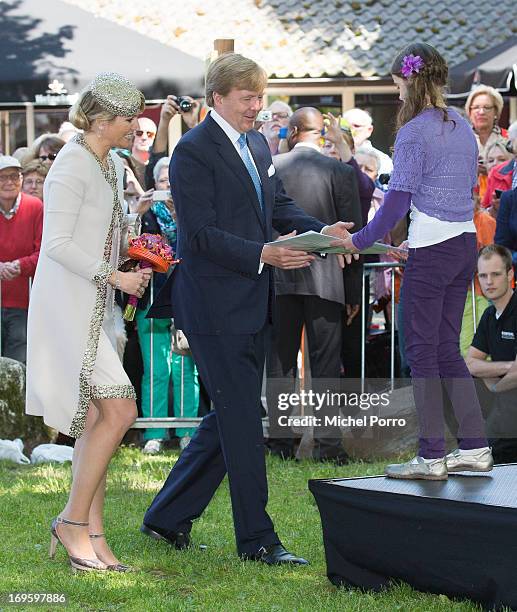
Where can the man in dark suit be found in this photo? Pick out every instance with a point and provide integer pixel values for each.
(315, 296)
(227, 199)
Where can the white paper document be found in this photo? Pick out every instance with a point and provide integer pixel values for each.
(314, 242)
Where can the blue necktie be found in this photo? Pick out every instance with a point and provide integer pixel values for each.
(250, 167)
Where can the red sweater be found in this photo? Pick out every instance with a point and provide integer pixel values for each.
(20, 238)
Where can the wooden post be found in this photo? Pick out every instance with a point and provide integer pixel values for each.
(224, 45)
(29, 119)
(513, 110)
(221, 45)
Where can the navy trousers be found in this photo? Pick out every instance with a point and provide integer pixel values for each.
(228, 440)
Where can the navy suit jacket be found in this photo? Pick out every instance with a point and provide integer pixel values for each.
(217, 288)
(506, 228)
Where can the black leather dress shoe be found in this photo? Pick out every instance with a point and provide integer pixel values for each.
(179, 540)
(275, 554)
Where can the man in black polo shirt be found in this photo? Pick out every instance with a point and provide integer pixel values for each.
(496, 338)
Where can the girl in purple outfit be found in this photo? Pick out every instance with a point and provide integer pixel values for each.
(435, 165)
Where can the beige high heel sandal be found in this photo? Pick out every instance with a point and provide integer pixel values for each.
(114, 567)
(84, 565)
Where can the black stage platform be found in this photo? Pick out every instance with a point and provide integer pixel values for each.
(457, 537)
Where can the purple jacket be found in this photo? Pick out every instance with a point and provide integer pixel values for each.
(434, 167)
(436, 162)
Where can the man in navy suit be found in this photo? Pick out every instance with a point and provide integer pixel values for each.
(221, 295)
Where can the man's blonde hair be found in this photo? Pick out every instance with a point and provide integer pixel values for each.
(230, 71)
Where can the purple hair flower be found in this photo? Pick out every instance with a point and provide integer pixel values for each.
(411, 64)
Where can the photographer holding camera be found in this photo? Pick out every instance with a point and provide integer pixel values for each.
(189, 110)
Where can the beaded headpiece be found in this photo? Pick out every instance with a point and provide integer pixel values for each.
(116, 94)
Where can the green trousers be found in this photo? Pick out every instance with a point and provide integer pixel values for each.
(186, 391)
(162, 369)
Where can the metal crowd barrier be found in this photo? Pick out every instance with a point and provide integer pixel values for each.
(152, 422)
(366, 271)
(182, 421)
(366, 309)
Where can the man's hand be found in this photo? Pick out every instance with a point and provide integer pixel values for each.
(351, 312)
(340, 231)
(285, 258)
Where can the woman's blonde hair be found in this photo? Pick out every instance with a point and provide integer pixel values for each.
(423, 87)
(501, 145)
(87, 109)
(497, 98)
(232, 70)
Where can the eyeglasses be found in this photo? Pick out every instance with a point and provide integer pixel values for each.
(33, 182)
(140, 133)
(487, 109)
(279, 115)
(50, 157)
(13, 178)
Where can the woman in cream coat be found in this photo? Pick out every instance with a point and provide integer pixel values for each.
(75, 379)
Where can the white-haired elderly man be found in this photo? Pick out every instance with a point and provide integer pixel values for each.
(21, 221)
(281, 112)
(361, 124)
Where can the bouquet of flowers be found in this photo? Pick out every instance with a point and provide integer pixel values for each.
(151, 251)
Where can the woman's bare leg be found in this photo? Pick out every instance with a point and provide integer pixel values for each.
(92, 455)
(99, 545)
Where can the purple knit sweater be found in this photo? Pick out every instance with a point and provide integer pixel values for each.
(436, 163)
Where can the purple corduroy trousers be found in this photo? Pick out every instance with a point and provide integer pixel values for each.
(436, 280)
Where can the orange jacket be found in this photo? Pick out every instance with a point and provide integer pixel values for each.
(485, 232)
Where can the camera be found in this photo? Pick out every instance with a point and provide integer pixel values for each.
(384, 179)
(509, 147)
(184, 103)
(161, 196)
(264, 115)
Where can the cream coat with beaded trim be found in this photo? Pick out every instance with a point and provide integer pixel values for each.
(70, 337)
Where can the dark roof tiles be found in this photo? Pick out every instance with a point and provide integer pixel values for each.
(295, 38)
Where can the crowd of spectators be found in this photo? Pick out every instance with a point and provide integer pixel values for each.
(352, 173)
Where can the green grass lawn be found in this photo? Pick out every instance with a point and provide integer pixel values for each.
(165, 579)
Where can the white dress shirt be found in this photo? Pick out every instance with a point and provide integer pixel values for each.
(233, 135)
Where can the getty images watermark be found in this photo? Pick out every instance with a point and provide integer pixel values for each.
(318, 401)
(328, 407)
